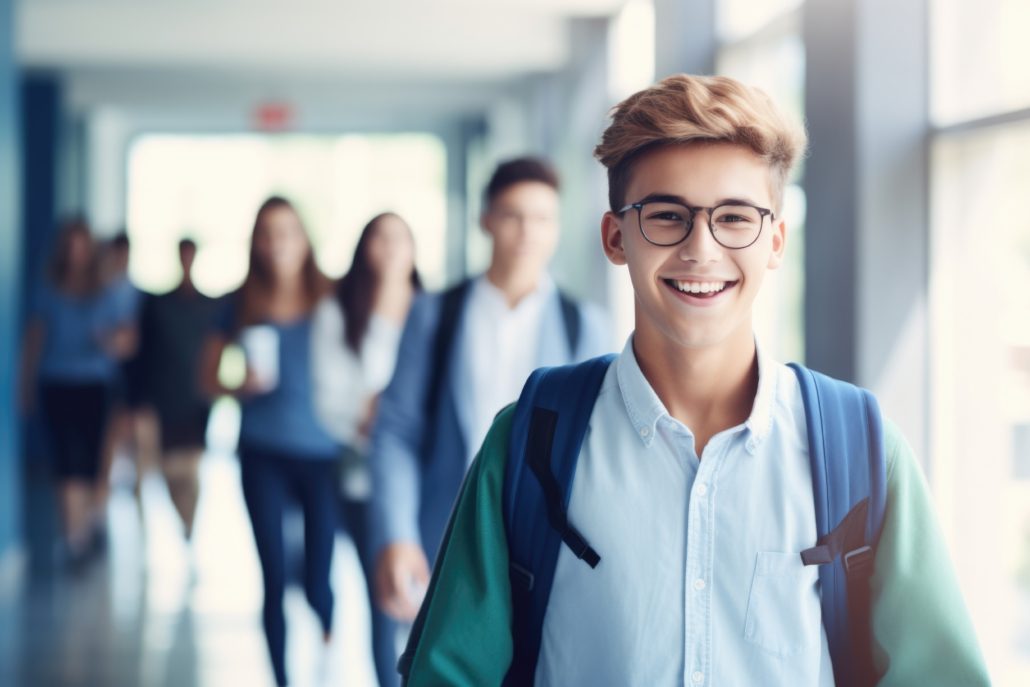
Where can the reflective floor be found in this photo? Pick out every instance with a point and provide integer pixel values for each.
(156, 613)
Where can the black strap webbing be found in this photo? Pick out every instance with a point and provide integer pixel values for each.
(538, 451)
(858, 564)
(570, 318)
(453, 300)
(848, 541)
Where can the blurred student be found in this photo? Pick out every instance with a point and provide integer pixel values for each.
(130, 427)
(73, 342)
(463, 356)
(286, 455)
(356, 334)
(172, 330)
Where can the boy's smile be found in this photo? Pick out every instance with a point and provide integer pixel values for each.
(702, 292)
(696, 293)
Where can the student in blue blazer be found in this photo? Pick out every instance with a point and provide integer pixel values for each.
(464, 355)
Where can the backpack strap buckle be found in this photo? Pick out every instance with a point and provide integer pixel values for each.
(859, 561)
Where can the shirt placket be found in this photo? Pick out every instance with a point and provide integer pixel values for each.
(699, 567)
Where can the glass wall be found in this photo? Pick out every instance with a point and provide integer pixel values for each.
(980, 271)
(980, 289)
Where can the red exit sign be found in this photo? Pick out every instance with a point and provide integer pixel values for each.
(274, 116)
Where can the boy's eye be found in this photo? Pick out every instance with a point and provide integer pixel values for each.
(659, 213)
(737, 217)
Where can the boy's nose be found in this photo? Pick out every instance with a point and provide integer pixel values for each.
(700, 246)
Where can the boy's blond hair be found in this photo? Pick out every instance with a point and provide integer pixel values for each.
(698, 109)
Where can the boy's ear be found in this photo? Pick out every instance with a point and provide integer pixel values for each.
(611, 239)
(779, 244)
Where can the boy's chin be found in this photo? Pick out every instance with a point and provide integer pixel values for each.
(693, 339)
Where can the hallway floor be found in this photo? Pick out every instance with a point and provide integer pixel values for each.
(156, 613)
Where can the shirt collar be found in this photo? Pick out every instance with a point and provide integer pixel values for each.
(759, 423)
(643, 406)
(493, 296)
(645, 409)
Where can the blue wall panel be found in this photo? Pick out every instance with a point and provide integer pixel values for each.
(10, 285)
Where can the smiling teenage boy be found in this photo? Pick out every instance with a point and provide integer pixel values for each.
(693, 484)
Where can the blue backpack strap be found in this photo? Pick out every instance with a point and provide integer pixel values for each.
(849, 480)
(547, 433)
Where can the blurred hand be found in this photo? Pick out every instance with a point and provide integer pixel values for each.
(121, 343)
(253, 385)
(368, 418)
(402, 576)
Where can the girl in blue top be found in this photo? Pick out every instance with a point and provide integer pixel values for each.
(73, 343)
(285, 455)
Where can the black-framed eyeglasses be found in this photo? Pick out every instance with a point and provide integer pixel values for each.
(733, 225)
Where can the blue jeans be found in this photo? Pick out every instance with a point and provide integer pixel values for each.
(271, 481)
(384, 628)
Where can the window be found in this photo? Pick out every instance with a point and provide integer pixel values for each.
(981, 381)
(979, 57)
(209, 188)
(980, 296)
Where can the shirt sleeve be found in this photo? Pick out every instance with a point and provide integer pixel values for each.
(379, 353)
(127, 302)
(465, 636)
(923, 634)
(399, 432)
(109, 312)
(336, 376)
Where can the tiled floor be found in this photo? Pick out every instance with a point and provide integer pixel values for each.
(157, 614)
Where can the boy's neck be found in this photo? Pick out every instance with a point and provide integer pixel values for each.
(515, 284)
(707, 389)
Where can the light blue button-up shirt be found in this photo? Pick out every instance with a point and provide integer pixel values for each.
(712, 592)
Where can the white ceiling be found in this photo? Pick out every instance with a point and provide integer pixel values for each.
(385, 38)
(196, 56)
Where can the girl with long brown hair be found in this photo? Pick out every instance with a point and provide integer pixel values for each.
(285, 454)
(357, 333)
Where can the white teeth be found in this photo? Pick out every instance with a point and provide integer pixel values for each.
(700, 287)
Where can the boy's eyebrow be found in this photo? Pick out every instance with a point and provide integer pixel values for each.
(663, 198)
(673, 198)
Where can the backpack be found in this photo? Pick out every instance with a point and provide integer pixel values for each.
(845, 437)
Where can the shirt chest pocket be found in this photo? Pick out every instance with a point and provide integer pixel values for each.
(783, 612)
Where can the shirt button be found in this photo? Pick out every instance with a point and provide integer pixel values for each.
(698, 677)
(699, 584)
(645, 432)
(702, 489)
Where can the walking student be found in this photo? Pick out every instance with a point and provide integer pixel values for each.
(356, 334)
(286, 456)
(689, 547)
(463, 356)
